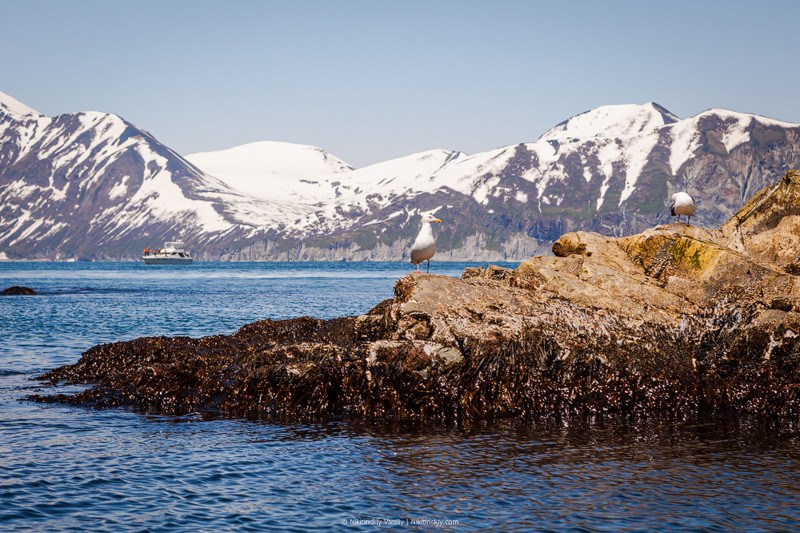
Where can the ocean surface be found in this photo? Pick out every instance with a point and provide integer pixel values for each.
(68, 468)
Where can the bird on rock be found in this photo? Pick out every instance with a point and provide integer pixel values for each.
(682, 204)
(424, 246)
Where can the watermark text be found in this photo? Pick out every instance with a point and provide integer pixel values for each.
(398, 522)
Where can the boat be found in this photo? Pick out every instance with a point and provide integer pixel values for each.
(173, 253)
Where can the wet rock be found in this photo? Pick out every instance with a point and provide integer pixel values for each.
(676, 320)
(18, 290)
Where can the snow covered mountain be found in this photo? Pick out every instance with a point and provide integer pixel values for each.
(93, 185)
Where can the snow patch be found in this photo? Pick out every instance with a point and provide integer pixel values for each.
(635, 158)
(481, 191)
(120, 189)
(685, 142)
(603, 189)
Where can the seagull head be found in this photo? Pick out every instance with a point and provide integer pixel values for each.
(430, 218)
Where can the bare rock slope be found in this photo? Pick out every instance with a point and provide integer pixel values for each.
(676, 319)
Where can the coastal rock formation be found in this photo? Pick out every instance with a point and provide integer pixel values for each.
(677, 319)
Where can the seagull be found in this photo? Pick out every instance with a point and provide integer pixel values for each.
(424, 246)
(682, 204)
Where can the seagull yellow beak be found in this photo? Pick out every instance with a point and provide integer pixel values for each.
(436, 220)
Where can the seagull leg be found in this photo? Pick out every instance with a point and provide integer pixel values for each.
(429, 266)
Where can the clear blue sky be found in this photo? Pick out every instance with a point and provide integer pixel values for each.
(373, 80)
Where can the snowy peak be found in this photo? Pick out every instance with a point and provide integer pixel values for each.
(9, 104)
(270, 158)
(612, 121)
(256, 168)
(91, 180)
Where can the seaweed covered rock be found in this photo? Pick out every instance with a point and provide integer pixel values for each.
(677, 319)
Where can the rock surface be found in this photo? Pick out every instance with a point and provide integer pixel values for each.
(16, 290)
(677, 319)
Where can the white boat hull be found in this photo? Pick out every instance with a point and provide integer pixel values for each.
(155, 260)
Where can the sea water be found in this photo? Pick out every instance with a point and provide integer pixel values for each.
(65, 468)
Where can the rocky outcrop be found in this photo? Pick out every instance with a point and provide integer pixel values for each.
(26, 291)
(677, 319)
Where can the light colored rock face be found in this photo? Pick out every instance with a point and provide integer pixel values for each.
(768, 226)
(674, 282)
(444, 309)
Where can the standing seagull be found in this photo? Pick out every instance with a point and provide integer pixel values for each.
(682, 204)
(424, 246)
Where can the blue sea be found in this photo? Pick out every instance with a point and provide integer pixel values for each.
(65, 468)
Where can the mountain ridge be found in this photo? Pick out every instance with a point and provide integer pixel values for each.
(612, 121)
(105, 189)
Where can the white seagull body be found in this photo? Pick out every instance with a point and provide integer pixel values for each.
(682, 204)
(424, 246)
